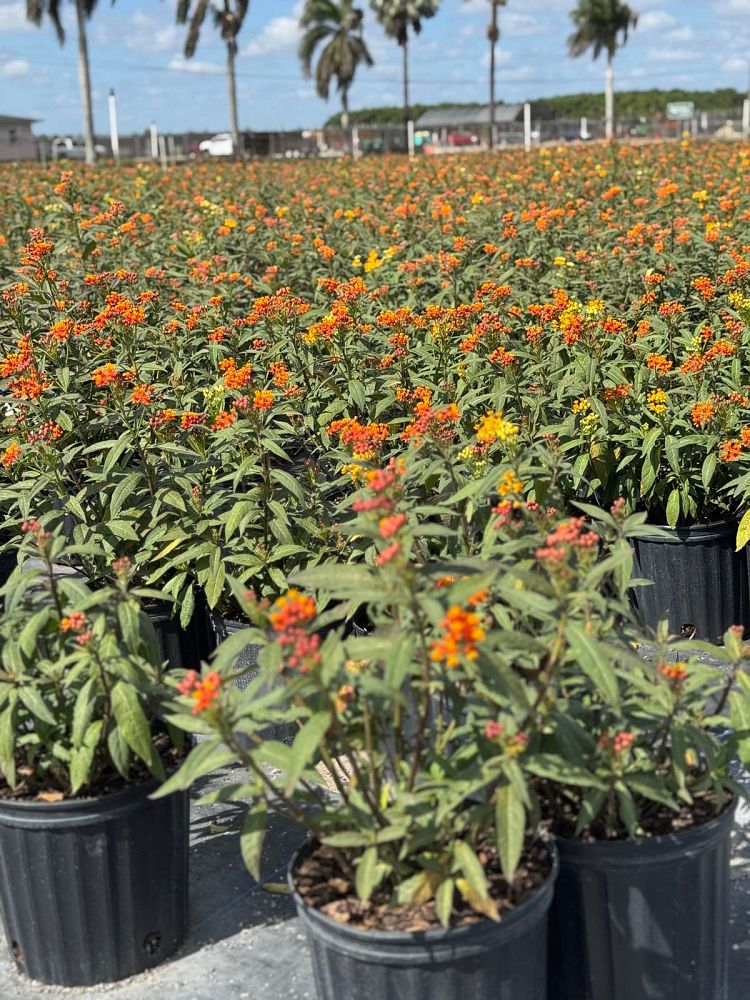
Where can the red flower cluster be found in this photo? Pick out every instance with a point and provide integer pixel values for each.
(567, 536)
(203, 690)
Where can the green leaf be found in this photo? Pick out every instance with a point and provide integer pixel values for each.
(628, 813)
(8, 739)
(444, 901)
(709, 467)
(214, 586)
(118, 751)
(289, 483)
(672, 451)
(306, 743)
(593, 659)
(207, 756)
(369, 874)
(83, 710)
(132, 723)
(673, 508)
(187, 606)
(27, 640)
(650, 787)
(122, 491)
(510, 828)
(471, 867)
(593, 800)
(743, 531)
(739, 714)
(550, 766)
(35, 704)
(83, 756)
(252, 837)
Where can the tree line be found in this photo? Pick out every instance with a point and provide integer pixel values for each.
(630, 104)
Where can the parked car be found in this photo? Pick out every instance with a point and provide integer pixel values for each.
(65, 147)
(220, 144)
(462, 139)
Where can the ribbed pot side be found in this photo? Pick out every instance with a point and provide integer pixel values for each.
(643, 919)
(486, 961)
(698, 579)
(184, 648)
(92, 891)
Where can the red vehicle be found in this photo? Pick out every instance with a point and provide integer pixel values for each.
(462, 139)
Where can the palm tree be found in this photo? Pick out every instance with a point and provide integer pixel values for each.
(603, 26)
(228, 17)
(493, 34)
(397, 16)
(339, 24)
(35, 12)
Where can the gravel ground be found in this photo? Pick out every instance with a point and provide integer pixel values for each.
(245, 944)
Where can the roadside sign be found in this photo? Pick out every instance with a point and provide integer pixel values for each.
(680, 110)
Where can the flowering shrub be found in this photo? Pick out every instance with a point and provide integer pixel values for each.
(201, 364)
(490, 692)
(81, 685)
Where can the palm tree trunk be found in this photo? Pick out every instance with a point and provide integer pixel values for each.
(84, 81)
(493, 42)
(405, 63)
(344, 110)
(609, 100)
(232, 82)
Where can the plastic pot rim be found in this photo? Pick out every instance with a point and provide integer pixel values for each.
(66, 812)
(689, 533)
(646, 850)
(476, 935)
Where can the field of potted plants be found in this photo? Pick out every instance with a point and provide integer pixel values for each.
(453, 458)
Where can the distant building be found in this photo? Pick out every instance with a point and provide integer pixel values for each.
(17, 141)
(444, 123)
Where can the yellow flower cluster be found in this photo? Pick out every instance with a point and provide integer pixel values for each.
(494, 427)
(509, 484)
(657, 401)
(589, 423)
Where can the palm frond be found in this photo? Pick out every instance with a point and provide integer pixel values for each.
(37, 9)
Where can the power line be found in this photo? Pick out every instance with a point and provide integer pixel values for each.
(379, 80)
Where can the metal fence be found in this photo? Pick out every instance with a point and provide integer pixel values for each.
(373, 140)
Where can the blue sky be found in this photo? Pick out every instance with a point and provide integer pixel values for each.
(136, 48)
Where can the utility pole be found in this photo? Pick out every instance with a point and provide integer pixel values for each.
(114, 137)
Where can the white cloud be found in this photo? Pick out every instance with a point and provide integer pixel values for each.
(734, 7)
(675, 55)
(278, 35)
(147, 34)
(512, 23)
(14, 67)
(13, 16)
(735, 65)
(182, 65)
(655, 20)
(518, 74)
(682, 34)
(501, 56)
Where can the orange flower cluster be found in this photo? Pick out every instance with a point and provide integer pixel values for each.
(364, 440)
(462, 632)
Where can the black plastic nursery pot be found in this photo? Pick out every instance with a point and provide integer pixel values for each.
(184, 648)
(8, 562)
(94, 890)
(486, 961)
(643, 919)
(699, 581)
(248, 662)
